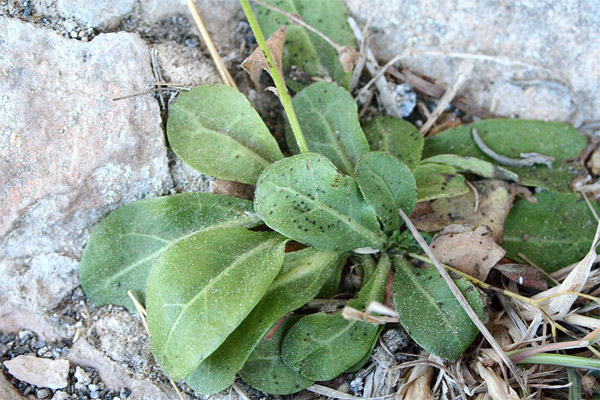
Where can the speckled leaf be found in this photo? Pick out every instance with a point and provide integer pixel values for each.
(332, 282)
(513, 137)
(554, 233)
(328, 117)
(216, 131)
(430, 313)
(322, 346)
(473, 165)
(436, 181)
(308, 53)
(265, 370)
(306, 199)
(122, 249)
(396, 136)
(202, 288)
(302, 275)
(387, 185)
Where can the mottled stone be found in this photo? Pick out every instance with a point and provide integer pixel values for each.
(41, 372)
(565, 49)
(98, 14)
(69, 153)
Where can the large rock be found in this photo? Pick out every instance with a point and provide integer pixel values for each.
(561, 38)
(69, 153)
(41, 372)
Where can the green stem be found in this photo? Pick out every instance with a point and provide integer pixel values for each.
(562, 360)
(284, 95)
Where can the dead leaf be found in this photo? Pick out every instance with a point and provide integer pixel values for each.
(523, 274)
(474, 252)
(348, 57)
(256, 62)
(235, 189)
(498, 389)
(495, 200)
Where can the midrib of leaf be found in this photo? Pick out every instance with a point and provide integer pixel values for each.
(384, 136)
(431, 300)
(334, 142)
(147, 236)
(291, 276)
(251, 151)
(383, 184)
(225, 224)
(364, 231)
(202, 294)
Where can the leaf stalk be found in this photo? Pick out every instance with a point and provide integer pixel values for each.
(284, 95)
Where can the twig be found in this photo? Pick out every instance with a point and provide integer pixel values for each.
(431, 89)
(529, 159)
(225, 76)
(385, 94)
(475, 193)
(240, 391)
(462, 300)
(166, 89)
(464, 71)
(541, 270)
(336, 394)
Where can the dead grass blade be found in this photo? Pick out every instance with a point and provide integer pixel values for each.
(214, 53)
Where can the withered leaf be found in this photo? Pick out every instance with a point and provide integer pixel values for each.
(474, 252)
(348, 57)
(232, 188)
(523, 274)
(256, 62)
(495, 200)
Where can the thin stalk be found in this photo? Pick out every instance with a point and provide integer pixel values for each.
(562, 360)
(284, 95)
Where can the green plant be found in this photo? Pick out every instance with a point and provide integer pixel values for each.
(214, 286)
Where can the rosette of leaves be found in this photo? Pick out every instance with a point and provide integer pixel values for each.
(213, 270)
(214, 286)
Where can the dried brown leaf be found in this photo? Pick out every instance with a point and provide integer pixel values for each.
(498, 389)
(235, 189)
(256, 62)
(348, 57)
(523, 274)
(495, 200)
(472, 251)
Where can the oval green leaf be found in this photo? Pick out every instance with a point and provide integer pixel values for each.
(215, 130)
(322, 346)
(328, 117)
(430, 313)
(387, 185)
(436, 181)
(473, 165)
(265, 370)
(303, 273)
(122, 249)
(202, 288)
(554, 233)
(510, 138)
(308, 54)
(396, 136)
(307, 199)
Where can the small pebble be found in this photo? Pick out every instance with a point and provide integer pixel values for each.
(125, 392)
(44, 393)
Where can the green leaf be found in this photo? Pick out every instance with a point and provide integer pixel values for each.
(387, 185)
(328, 117)
(575, 388)
(216, 131)
(265, 370)
(122, 249)
(430, 313)
(308, 54)
(397, 137)
(510, 138)
(322, 346)
(202, 288)
(473, 165)
(554, 233)
(435, 181)
(332, 282)
(306, 199)
(302, 275)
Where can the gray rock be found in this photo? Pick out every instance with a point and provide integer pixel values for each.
(561, 38)
(97, 14)
(69, 153)
(41, 372)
